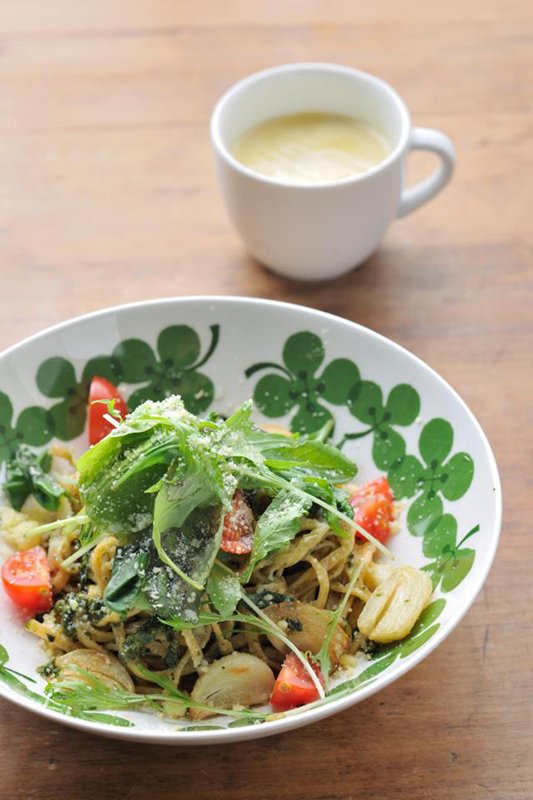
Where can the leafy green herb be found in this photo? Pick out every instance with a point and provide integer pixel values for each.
(116, 474)
(188, 523)
(322, 434)
(110, 408)
(224, 590)
(89, 694)
(323, 654)
(60, 704)
(165, 468)
(27, 473)
(335, 497)
(140, 580)
(168, 594)
(125, 588)
(78, 519)
(277, 527)
(275, 482)
(89, 537)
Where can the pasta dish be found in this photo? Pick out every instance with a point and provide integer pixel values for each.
(202, 567)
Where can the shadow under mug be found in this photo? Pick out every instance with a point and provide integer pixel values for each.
(317, 231)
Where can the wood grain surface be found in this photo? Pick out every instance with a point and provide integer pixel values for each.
(107, 195)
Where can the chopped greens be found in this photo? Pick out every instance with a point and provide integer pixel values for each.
(28, 474)
(139, 645)
(266, 597)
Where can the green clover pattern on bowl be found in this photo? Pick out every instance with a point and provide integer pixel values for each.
(56, 379)
(174, 370)
(302, 387)
(295, 384)
(435, 477)
(365, 402)
(31, 427)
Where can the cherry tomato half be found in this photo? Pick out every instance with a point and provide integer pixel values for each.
(26, 580)
(239, 527)
(374, 509)
(102, 389)
(294, 686)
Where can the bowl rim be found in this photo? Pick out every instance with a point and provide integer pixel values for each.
(335, 706)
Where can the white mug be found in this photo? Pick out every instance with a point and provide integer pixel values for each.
(317, 231)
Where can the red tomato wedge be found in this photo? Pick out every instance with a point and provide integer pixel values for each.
(101, 389)
(239, 527)
(26, 580)
(294, 686)
(373, 507)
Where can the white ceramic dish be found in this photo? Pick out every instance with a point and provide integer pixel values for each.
(224, 350)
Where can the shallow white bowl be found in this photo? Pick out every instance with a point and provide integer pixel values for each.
(298, 364)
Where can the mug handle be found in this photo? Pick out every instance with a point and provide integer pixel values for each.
(437, 142)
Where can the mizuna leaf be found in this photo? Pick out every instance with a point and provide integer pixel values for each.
(277, 527)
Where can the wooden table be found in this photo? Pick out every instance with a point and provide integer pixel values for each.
(107, 195)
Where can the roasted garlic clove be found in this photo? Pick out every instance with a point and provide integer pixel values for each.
(102, 665)
(395, 605)
(307, 627)
(239, 679)
(377, 573)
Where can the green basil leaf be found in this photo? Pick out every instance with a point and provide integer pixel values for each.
(26, 474)
(188, 527)
(18, 484)
(314, 456)
(277, 526)
(45, 489)
(224, 591)
(125, 588)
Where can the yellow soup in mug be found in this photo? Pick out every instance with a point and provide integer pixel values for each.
(311, 147)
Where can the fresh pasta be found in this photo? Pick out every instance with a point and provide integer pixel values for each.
(213, 562)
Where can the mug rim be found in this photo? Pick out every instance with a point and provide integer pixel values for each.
(303, 66)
